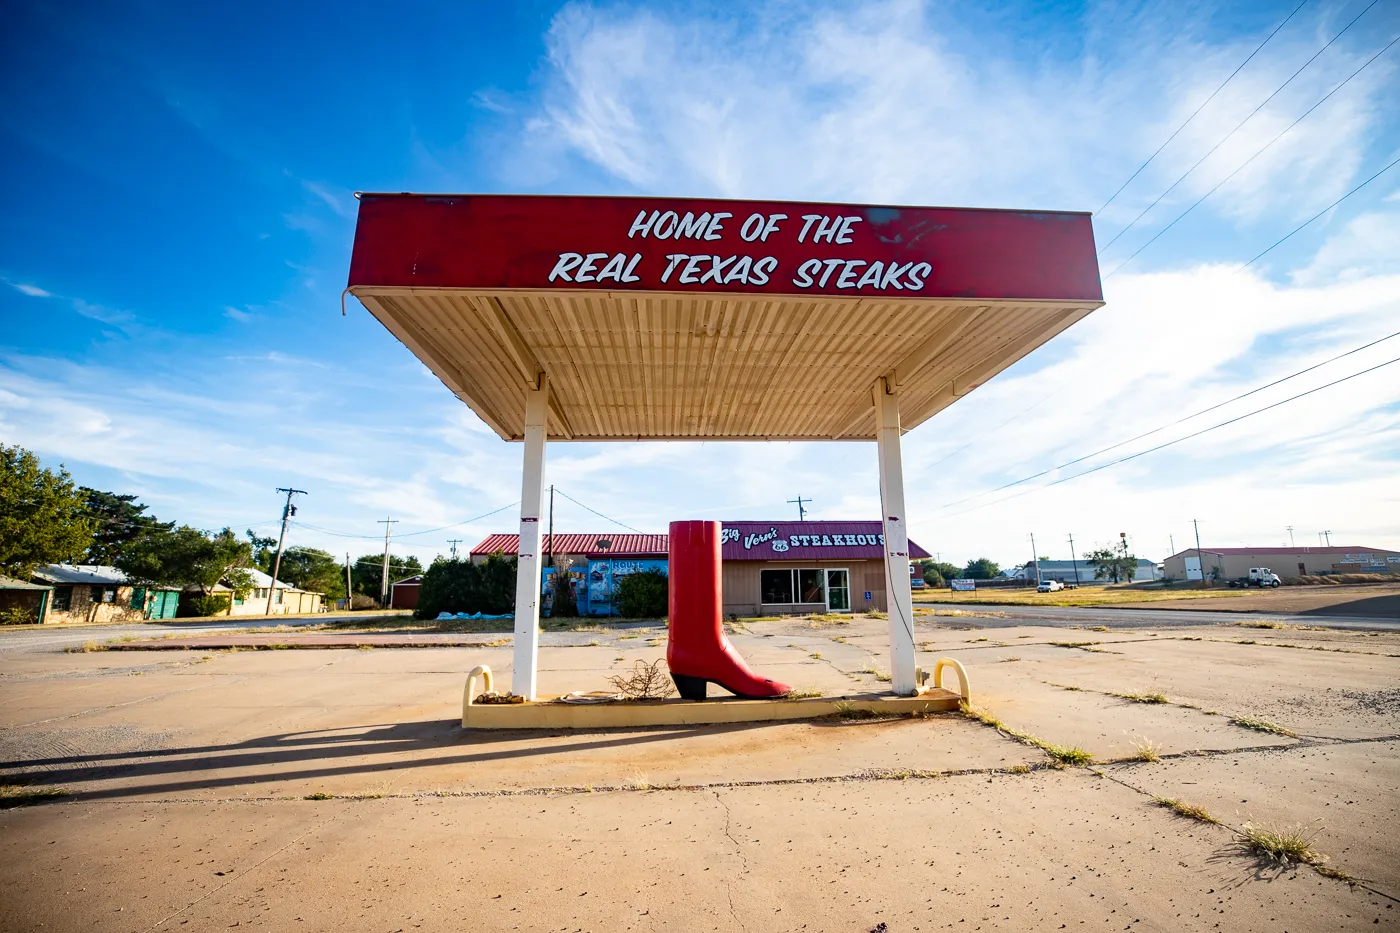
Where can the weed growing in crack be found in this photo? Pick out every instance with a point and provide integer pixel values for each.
(1145, 749)
(1262, 725)
(1061, 754)
(1142, 697)
(1282, 845)
(1188, 810)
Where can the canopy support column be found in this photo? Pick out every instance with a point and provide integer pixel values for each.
(901, 600)
(527, 574)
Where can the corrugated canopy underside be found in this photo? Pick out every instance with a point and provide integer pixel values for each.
(654, 365)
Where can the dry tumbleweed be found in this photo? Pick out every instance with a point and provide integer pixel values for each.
(645, 682)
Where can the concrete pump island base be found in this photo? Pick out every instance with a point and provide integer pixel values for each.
(591, 319)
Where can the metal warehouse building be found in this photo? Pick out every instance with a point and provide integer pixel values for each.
(1227, 563)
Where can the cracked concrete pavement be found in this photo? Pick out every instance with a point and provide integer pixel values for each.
(333, 789)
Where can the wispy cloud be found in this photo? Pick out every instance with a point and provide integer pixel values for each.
(33, 291)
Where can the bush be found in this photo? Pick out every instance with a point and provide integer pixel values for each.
(18, 615)
(202, 606)
(361, 601)
(462, 586)
(644, 595)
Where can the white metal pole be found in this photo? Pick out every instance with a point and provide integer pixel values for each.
(901, 598)
(527, 574)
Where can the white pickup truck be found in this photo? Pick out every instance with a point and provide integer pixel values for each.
(1258, 576)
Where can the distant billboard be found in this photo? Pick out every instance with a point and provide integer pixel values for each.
(963, 586)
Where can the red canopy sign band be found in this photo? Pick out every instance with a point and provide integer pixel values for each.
(649, 244)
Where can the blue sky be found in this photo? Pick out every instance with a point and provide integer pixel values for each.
(179, 216)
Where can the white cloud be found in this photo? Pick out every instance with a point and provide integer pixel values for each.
(33, 291)
(874, 103)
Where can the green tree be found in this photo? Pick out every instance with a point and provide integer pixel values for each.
(43, 519)
(937, 573)
(462, 586)
(644, 595)
(1114, 564)
(309, 568)
(983, 568)
(367, 572)
(264, 551)
(186, 556)
(118, 520)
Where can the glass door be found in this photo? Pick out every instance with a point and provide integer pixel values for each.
(838, 591)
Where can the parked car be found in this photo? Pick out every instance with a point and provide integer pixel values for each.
(1049, 586)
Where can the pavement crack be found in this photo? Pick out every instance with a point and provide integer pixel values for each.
(240, 876)
(739, 851)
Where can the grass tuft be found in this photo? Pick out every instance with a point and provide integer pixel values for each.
(1262, 725)
(1188, 810)
(1146, 749)
(846, 710)
(815, 655)
(809, 693)
(1282, 845)
(318, 796)
(1068, 754)
(19, 795)
(1142, 697)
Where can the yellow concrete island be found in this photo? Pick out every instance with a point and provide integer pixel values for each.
(484, 709)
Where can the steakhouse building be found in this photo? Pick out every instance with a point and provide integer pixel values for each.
(770, 568)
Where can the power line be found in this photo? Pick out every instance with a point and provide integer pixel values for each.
(1202, 107)
(411, 534)
(1240, 126)
(1188, 437)
(596, 512)
(1320, 213)
(1252, 158)
(1197, 414)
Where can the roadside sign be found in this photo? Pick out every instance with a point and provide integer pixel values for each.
(963, 586)
(868, 596)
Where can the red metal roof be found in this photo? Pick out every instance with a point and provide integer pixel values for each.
(800, 540)
(625, 545)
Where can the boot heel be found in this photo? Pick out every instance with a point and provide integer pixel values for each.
(691, 688)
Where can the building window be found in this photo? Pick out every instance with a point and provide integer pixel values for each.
(279, 597)
(62, 598)
(104, 594)
(776, 585)
(803, 585)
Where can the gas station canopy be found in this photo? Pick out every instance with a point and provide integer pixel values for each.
(687, 319)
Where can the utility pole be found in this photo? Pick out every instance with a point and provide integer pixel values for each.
(1200, 559)
(454, 542)
(1131, 573)
(1172, 542)
(1290, 537)
(349, 593)
(550, 549)
(1035, 559)
(288, 511)
(388, 524)
(1074, 560)
(801, 512)
(1328, 536)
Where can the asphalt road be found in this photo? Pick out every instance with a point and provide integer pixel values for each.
(1149, 618)
(44, 638)
(57, 638)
